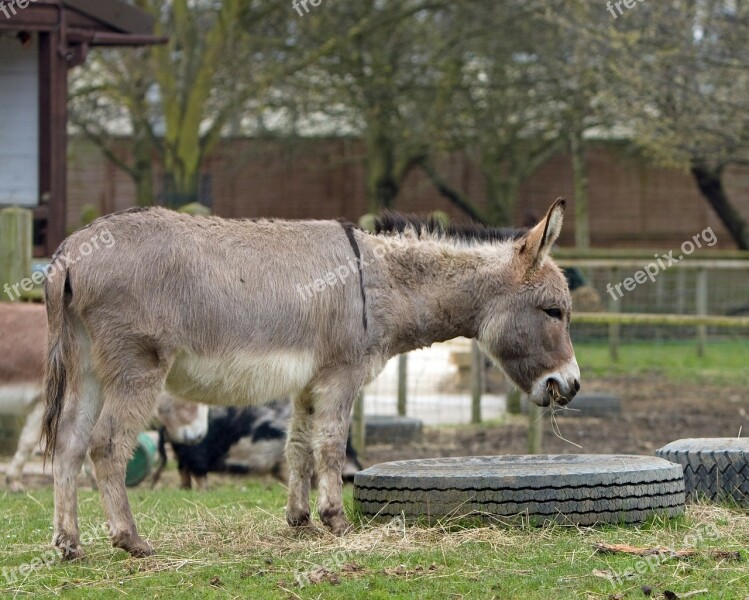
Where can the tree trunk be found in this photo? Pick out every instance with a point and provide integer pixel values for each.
(382, 186)
(710, 183)
(143, 168)
(144, 188)
(580, 171)
(501, 196)
(181, 187)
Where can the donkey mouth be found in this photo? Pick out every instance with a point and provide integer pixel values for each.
(554, 394)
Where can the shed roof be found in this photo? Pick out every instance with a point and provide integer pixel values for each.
(88, 22)
(115, 14)
(113, 18)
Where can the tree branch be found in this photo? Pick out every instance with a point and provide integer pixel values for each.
(457, 198)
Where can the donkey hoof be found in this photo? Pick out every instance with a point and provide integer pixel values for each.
(15, 486)
(336, 522)
(69, 551)
(341, 527)
(72, 554)
(298, 520)
(141, 550)
(133, 545)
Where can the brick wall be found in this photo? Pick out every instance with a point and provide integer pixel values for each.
(630, 204)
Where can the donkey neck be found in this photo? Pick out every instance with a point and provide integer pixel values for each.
(438, 291)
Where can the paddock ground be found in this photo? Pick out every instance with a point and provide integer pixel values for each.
(233, 541)
(655, 411)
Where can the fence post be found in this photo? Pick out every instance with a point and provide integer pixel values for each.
(535, 429)
(681, 290)
(701, 305)
(359, 426)
(513, 400)
(477, 381)
(402, 383)
(15, 249)
(614, 328)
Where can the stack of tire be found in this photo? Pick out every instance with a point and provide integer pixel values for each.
(715, 469)
(569, 489)
(393, 430)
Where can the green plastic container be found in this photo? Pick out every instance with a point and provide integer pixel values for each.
(142, 462)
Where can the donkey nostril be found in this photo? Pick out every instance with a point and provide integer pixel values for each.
(577, 385)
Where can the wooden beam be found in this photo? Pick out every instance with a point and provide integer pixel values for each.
(106, 38)
(53, 143)
(32, 18)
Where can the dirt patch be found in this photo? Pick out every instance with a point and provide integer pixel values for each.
(654, 413)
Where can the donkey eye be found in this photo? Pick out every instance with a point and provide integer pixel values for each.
(554, 313)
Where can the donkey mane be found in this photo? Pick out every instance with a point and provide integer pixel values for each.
(394, 223)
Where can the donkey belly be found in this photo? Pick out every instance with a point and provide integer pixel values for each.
(240, 379)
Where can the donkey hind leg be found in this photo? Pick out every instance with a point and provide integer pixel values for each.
(300, 459)
(334, 399)
(126, 410)
(28, 440)
(79, 415)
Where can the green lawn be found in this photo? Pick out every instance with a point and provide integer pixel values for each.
(232, 542)
(724, 362)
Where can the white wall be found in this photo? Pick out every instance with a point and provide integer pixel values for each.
(19, 122)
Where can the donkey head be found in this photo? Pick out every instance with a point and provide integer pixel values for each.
(526, 327)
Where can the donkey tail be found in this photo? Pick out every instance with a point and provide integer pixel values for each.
(61, 345)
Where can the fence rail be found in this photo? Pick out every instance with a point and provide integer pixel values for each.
(589, 318)
(621, 254)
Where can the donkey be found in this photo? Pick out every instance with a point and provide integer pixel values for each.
(23, 342)
(218, 309)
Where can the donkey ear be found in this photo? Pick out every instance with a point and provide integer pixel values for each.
(538, 241)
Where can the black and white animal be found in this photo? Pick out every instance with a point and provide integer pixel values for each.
(248, 440)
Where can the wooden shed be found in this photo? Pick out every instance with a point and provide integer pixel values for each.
(40, 41)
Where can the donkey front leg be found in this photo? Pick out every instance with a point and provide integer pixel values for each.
(300, 459)
(333, 401)
(125, 412)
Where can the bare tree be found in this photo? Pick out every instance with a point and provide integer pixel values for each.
(176, 99)
(680, 79)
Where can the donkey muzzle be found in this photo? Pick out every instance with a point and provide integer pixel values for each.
(559, 387)
(560, 393)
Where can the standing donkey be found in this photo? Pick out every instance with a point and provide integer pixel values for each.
(221, 309)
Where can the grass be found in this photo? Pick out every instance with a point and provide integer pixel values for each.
(233, 543)
(725, 361)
